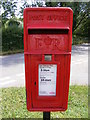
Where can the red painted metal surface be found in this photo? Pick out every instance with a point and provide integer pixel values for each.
(47, 31)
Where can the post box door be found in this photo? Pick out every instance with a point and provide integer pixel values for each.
(46, 100)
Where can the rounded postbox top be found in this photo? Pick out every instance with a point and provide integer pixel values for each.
(48, 8)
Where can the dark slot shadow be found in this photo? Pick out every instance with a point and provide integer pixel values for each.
(47, 31)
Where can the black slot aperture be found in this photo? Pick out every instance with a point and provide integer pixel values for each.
(48, 31)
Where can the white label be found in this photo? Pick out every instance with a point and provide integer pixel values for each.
(47, 79)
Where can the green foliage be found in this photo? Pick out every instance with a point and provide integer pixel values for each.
(52, 4)
(78, 39)
(13, 104)
(80, 14)
(83, 23)
(12, 38)
(13, 22)
(39, 4)
(9, 7)
(25, 4)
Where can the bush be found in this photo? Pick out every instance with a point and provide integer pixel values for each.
(13, 22)
(79, 39)
(12, 38)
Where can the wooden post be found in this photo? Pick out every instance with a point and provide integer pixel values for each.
(46, 115)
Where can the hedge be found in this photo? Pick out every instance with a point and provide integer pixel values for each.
(12, 38)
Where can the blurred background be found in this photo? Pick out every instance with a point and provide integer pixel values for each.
(12, 22)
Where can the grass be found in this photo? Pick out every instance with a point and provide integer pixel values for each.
(13, 104)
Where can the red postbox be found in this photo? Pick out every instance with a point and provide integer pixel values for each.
(47, 51)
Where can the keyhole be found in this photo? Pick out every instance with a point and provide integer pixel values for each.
(35, 83)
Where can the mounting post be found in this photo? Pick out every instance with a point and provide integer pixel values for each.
(46, 115)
